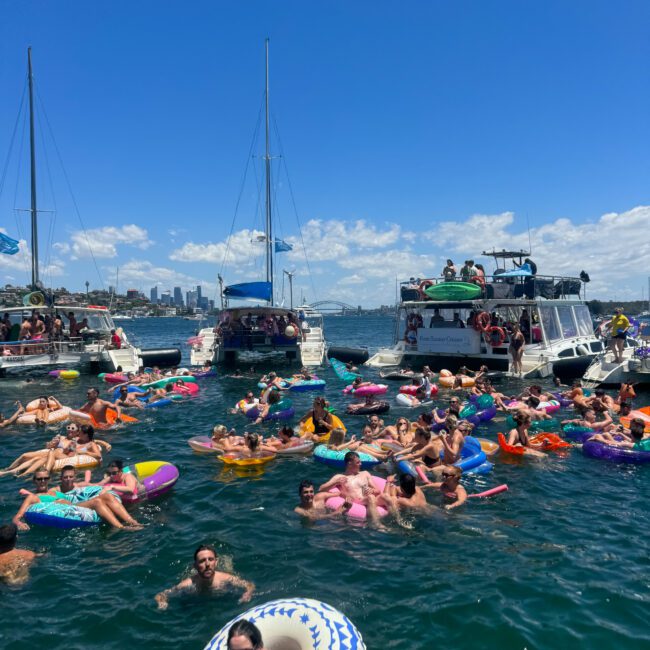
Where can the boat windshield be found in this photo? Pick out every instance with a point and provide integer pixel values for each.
(549, 323)
(568, 325)
(583, 318)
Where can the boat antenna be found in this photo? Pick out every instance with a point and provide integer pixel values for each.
(530, 245)
(267, 158)
(32, 150)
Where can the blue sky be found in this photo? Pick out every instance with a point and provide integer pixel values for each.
(411, 132)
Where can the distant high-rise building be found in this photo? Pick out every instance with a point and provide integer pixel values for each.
(153, 295)
(132, 294)
(166, 297)
(203, 303)
(199, 294)
(178, 297)
(111, 289)
(190, 299)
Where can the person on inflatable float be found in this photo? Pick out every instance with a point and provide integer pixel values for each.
(5, 422)
(518, 437)
(207, 579)
(312, 506)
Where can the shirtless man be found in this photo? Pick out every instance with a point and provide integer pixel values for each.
(452, 440)
(589, 421)
(355, 485)
(14, 562)
(97, 407)
(312, 506)
(128, 400)
(406, 496)
(206, 579)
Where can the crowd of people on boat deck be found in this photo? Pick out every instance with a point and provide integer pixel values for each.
(271, 325)
(45, 327)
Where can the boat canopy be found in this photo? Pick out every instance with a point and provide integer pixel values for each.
(254, 290)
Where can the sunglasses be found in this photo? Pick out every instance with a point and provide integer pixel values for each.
(115, 473)
(42, 478)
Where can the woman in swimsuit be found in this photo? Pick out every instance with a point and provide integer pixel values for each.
(320, 416)
(518, 437)
(425, 451)
(516, 349)
(450, 486)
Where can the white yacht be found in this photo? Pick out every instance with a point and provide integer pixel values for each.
(473, 331)
(255, 331)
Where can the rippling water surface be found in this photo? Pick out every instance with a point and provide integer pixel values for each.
(560, 560)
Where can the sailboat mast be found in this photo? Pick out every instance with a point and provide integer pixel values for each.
(32, 149)
(269, 234)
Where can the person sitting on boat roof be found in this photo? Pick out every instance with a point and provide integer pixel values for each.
(449, 272)
(436, 318)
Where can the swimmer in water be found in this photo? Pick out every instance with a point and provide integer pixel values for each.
(14, 562)
(206, 579)
(312, 506)
(244, 635)
(450, 486)
(405, 496)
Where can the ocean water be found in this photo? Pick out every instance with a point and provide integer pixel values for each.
(560, 560)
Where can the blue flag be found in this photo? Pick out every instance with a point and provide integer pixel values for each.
(282, 246)
(8, 245)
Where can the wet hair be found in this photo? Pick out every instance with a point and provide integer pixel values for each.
(8, 536)
(89, 430)
(337, 436)
(117, 464)
(599, 392)
(204, 547)
(68, 468)
(93, 389)
(521, 417)
(44, 397)
(247, 629)
(533, 401)
(637, 427)
(425, 433)
(536, 387)
(407, 484)
(287, 431)
(349, 457)
(274, 397)
(305, 483)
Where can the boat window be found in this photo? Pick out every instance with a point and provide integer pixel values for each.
(569, 352)
(583, 318)
(567, 323)
(549, 323)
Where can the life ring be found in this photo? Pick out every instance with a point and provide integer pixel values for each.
(424, 285)
(487, 335)
(482, 321)
(305, 622)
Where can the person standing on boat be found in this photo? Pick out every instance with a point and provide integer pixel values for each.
(516, 349)
(449, 272)
(468, 272)
(618, 327)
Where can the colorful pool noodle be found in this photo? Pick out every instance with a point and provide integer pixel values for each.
(489, 493)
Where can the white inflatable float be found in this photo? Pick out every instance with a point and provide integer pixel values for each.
(299, 624)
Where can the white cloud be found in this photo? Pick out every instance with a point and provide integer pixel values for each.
(102, 242)
(391, 264)
(243, 249)
(142, 274)
(612, 249)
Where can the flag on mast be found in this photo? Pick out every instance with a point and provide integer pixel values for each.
(8, 246)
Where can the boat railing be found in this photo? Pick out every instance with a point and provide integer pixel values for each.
(501, 286)
(28, 347)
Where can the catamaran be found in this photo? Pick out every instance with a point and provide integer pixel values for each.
(470, 325)
(261, 330)
(92, 347)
